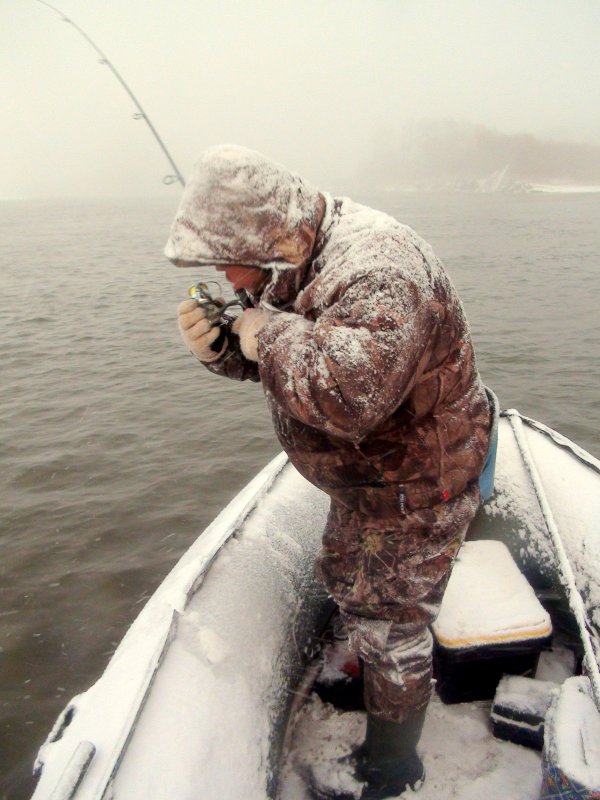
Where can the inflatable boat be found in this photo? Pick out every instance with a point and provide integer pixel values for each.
(211, 692)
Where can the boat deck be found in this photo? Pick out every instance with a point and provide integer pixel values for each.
(462, 758)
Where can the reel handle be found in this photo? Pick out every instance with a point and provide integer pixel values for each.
(213, 308)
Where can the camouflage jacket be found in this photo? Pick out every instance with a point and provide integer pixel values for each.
(366, 362)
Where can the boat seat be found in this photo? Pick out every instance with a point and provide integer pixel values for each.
(490, 623)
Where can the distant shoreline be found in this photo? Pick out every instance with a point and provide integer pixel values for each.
(564, 189)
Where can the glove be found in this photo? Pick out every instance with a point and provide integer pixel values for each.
(205, 341)
(247, 326)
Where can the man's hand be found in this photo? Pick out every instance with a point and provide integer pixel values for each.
(199, 336)
(247, 326)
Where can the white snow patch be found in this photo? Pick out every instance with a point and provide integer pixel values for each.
(572, 740)
(339, 663)
(214, 647)
(572, 491)
(514, 499)
(556, 664)
(349, 346)
(524, 695)
(564, 189)
(462, 759)
(488, 600)
(321, 736)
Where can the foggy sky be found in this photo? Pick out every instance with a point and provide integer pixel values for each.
(325, 86)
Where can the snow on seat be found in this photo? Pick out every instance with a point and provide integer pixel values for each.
(489, 601)
(490, 623)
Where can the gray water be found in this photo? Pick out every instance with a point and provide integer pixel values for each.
(117, 448)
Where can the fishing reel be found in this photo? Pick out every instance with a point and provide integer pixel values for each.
(214, 308)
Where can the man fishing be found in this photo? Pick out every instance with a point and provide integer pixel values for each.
(365, 357)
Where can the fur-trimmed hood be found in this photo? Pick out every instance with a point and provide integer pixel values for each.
(238, 207)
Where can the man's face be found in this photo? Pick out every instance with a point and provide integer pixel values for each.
(250, 278)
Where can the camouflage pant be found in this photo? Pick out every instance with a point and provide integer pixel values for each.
(388, 576)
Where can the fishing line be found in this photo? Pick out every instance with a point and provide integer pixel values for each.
(140, 114)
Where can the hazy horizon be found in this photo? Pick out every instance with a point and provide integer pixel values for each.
(343, 92)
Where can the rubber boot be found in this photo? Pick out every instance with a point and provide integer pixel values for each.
(388, 762)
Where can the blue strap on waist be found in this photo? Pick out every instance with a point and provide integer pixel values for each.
(486, 479)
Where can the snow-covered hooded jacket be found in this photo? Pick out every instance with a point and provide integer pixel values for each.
(367, 366)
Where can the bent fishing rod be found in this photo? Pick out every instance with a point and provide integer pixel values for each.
(140, 114)
(214, 308)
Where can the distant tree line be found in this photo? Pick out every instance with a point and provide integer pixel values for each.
(446, 154)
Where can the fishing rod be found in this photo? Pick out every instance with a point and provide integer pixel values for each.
(141, 114)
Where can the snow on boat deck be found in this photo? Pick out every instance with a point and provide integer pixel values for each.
(462, 760)
(219, 688)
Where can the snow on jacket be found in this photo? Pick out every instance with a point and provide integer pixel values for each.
(368, 366)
